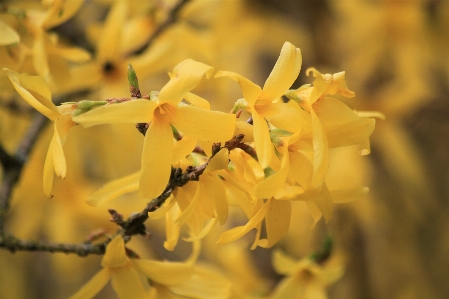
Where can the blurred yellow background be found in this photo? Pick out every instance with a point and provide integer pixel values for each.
(396, 58)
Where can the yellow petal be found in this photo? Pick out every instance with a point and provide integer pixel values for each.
(185, 77)
(205, 283)
(289, 288)
(35, 91)
(171, 230)
(350, 133)
(196, 250)
(324, 202)
(264, 147)
(271, 185)
(205, 206)
(218, 162)
(206, 146)
(239, 231)
(204, 232)
(204, 124)
(187, 212)
(315, 213)
(49, 172)
(331, 111)
(336, 84)
(8, 36)
(114, 189)
(242, 127)
(348, 195)
(319, 85)
(136, 31)
(134, 111)
(277, 221)
(39, 51)
(62, 125)
(109, 42)
(284, 72)
(197, 101)
(165, 273)
(285, 116)
(184, 197)
(283, 263)
(214, 189)
(93, 286)
(183, 148)
(60, 12)
(73, 54)
(127, 283)
(301, 169)
(321, 153)
(250, 90)
(157, 154)
(115, 256)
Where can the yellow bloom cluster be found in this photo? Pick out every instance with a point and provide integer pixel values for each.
(27, 43)
(291, 137)
(279, 155)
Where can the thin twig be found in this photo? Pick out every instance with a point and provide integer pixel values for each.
(12, 173)
(84, 249)
(135, 224)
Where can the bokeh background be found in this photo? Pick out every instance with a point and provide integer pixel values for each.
(395, 242)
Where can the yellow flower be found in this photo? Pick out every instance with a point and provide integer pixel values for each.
(127, 274)
(263, 103)
(123, 33)
(50, 58)
(163, 111)
(305, 278)
(331, 124)
(209, 200)
(35, 91)
(274, 211)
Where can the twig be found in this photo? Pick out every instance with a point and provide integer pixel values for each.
(135, 224)
(13, 164)
(84, 249)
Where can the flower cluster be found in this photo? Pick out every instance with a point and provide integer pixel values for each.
(206, 161)
(283, 157)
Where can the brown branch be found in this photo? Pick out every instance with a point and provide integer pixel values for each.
(135, 224)
(84, 249)
(13, 164)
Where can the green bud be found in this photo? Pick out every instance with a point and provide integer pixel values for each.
(84, 106)
(154, 95)
(268, 172)
(324, 253)
(132, 77)
(241, 104)
(79, 111)
(292, 95)
(280, 133)
(89, 104)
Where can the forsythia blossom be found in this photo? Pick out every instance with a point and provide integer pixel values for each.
(278, 156)
(128, 274)
(35, 91)
(292, 142)
(164, 110)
